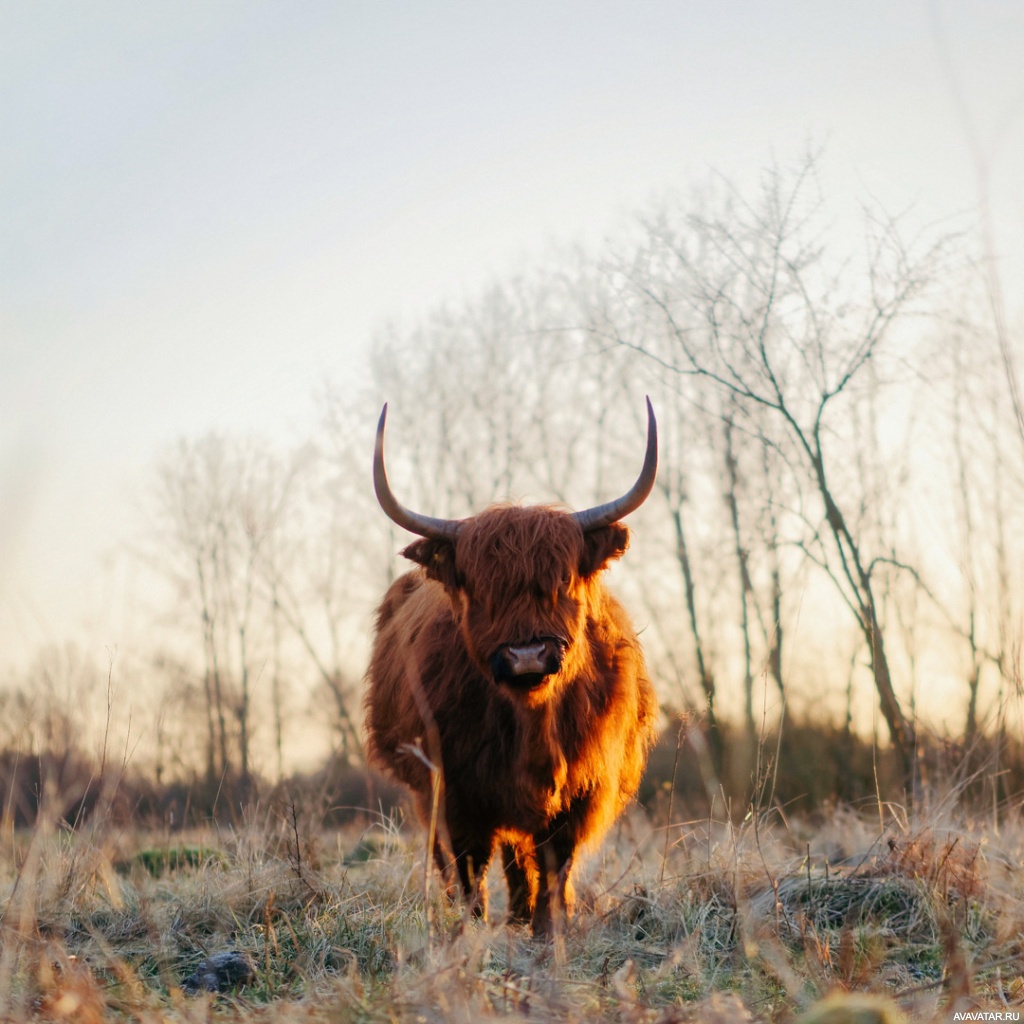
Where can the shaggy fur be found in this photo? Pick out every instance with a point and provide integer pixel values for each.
(539, 772)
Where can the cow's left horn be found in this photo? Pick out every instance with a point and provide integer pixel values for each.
(425, 526)
(613, 511)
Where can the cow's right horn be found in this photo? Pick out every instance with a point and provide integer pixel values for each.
(613, 511)
(425, 526)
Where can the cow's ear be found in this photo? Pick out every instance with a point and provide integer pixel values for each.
(438, 558)
(600, 546)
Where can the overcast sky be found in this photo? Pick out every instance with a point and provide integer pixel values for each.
(207, 208)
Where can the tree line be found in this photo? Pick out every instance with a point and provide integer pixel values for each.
(833, 533)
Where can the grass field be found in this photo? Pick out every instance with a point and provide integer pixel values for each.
(699, 922)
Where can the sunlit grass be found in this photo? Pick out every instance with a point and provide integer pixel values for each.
(721, 922)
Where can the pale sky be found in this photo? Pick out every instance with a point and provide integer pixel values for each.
(208, 207)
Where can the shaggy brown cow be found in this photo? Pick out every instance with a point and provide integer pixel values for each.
(505, 658)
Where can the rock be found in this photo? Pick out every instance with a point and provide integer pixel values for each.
(221, 972)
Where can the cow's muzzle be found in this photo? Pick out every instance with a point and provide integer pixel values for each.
(525, 666)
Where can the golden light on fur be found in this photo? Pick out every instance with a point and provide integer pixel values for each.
(505, 658)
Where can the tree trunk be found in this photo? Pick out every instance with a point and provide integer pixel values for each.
(707, 679)
(746, 587)
(901, 730)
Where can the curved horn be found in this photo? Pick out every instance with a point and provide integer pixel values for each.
(613, 511)
(425, 526)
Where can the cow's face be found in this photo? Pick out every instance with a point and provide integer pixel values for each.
(521, 584)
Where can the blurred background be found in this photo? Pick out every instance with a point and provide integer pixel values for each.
(232, 231)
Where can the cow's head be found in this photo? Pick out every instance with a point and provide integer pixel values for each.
(521, 578)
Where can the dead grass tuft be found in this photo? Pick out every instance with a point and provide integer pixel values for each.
(710, 922)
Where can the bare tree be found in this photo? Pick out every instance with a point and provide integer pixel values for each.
(325, 579)
(516, 409)
(985, 475)
(190, 497)
(221, 503)
(675, 486)
(747, 300)
(732, 496)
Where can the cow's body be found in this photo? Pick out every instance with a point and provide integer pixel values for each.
(505, 659)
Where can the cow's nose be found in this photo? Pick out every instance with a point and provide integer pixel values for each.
(526, 665)
(527, 658)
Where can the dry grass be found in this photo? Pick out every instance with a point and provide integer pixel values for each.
(760, 921)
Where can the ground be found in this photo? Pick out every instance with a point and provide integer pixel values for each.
(703, 921)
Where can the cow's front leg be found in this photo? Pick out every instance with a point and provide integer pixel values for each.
(472, 868)
(521, 876)
(556, 849)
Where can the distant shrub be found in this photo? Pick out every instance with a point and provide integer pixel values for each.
(810, 766)
(159, 861)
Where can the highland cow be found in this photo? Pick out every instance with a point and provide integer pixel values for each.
(507, 688)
